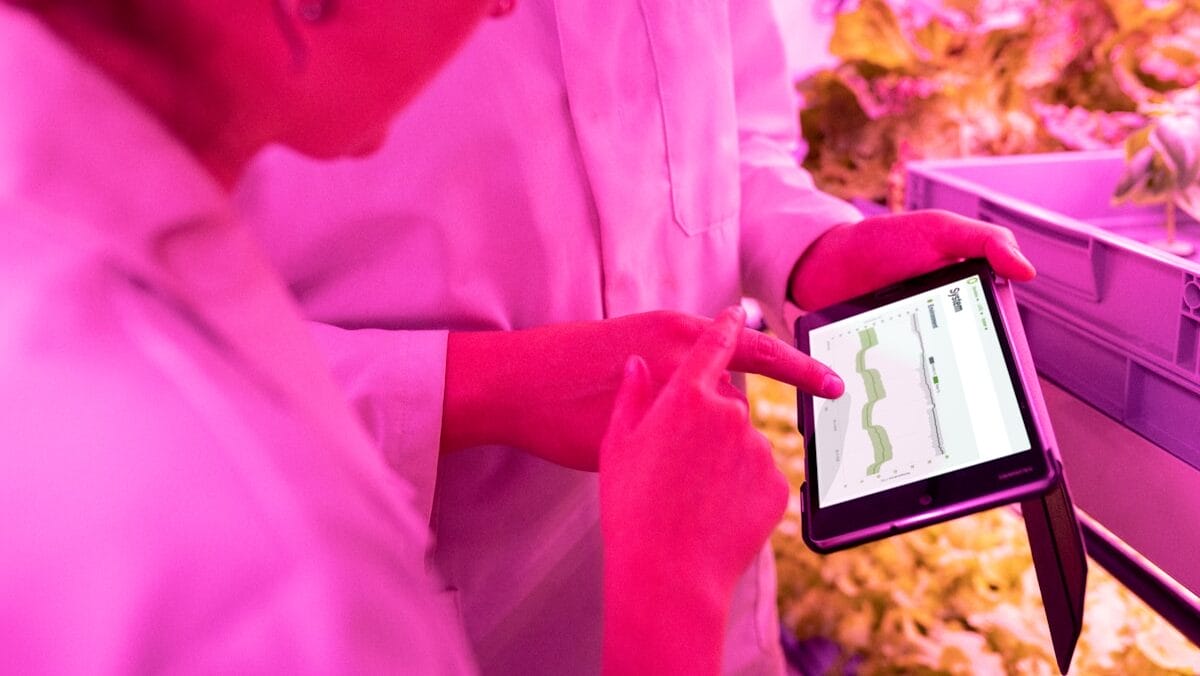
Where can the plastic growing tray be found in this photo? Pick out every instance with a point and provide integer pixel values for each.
(1109, 317)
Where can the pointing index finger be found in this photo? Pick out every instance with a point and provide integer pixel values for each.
(714, 348)
(771, 357)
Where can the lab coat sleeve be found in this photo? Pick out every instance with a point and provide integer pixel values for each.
(782, 212)
(395, 382)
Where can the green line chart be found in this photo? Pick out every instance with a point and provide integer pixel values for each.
(873, 382)
(926, 392)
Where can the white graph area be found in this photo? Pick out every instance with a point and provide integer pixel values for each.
(899, 433)
(907, 411)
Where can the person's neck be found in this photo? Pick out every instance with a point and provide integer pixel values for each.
(197, 111)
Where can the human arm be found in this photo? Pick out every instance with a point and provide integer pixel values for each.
(782, 211)
(688, 495)
(550, 390)
(394, 382)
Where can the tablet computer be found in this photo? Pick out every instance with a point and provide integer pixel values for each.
(935, 422)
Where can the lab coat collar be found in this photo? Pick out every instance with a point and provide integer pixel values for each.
(74, 145)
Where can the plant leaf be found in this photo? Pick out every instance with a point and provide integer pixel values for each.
(937, 38)
(872, 33)
(1137, 141)
(1177, 139)
(1135, 177)
(1133, 15)
(1188, 200)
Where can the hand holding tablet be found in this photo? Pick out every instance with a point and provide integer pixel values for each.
(855, 258)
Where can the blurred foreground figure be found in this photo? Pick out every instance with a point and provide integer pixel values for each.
(584, 181)
(183, 487)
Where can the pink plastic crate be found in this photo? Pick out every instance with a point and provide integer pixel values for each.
(1110, 318)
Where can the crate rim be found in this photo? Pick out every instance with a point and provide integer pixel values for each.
(937, 170)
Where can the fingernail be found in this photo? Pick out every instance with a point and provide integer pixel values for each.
(832, 387)
(737, 312)
(1012, 248)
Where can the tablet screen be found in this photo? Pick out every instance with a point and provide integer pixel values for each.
(927, 392)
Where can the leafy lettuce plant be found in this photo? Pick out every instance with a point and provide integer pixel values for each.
(951, 78)
(1163, 167)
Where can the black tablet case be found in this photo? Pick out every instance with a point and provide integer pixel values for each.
(1056, 542)
(1055, 538)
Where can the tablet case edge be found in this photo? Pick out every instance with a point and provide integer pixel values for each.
(1055, 538)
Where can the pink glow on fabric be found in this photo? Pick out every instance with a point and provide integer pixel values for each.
(177, 497)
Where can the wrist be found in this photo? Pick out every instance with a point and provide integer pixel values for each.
(474, 398)
(662, 619)
(810, 277)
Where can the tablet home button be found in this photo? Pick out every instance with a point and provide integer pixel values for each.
(925, 500)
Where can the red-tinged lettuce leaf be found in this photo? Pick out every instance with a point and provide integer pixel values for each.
(1078, 128)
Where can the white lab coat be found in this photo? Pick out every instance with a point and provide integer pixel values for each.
(182, 487)
(578, 160)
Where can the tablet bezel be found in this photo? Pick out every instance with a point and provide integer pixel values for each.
(920, 503)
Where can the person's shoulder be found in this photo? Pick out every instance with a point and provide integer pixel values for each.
(51, 267)
(79, 385)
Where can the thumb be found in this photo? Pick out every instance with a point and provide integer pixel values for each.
(633, 398)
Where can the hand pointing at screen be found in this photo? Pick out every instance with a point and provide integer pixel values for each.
(689, 493)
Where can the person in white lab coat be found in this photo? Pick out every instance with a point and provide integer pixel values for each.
(585, 179)
(184, 488)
